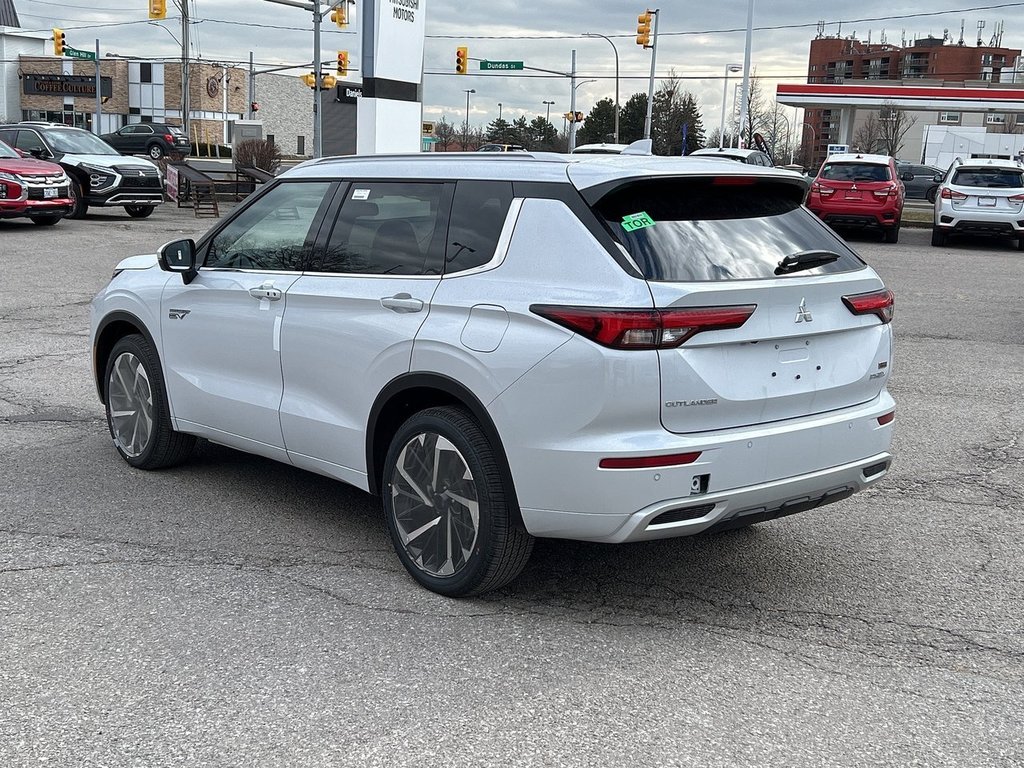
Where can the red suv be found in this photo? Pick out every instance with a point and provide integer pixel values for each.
(858, 190)
(33, 188)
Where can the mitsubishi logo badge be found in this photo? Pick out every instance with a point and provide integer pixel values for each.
(803, 314)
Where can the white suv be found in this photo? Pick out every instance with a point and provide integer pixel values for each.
(980, 197)
(506, 346)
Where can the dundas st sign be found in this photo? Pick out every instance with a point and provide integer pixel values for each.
(65, 85)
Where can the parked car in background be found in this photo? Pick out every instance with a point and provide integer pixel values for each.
(33, 188)
(919, 180)
(99, 174)
(494, 147)
(859, 191)
(153, 139)
(612, 349)
(748, 156)
(981, 197)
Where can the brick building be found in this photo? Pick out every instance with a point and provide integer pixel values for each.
(930, 59)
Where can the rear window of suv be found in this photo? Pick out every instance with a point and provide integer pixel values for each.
(855, 172)
(713, 229)
(988, 177)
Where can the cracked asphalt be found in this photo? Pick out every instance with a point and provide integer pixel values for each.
(238, 612)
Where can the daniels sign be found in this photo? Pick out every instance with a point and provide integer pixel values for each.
(64, 85)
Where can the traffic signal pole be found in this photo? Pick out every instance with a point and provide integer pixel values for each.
(99, 101)
(650, 86)
(572, 102)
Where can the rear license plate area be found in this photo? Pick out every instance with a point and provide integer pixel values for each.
(987, 202)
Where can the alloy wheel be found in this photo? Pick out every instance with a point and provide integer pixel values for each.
(130, 400)
(435, 505)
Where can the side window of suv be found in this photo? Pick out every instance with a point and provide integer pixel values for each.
(29, 141)
(388, 228)
(274, 233)
(478, 215)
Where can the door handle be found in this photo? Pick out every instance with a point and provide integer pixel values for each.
(266, 291)
(401, 302)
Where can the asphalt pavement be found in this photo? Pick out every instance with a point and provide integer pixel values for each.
(238, 612)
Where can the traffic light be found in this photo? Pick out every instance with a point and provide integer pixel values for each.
(338, 15)
(579, 117)
(254, 107)
(58, 42)
(643, 29)
(327, 82)
(309, 80)
(342, 63)
(158, 9)
(462, 60)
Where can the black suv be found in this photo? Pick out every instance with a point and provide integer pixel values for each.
(153, 139)
(99, 175)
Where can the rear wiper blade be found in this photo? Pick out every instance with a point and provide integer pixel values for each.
(805, 260)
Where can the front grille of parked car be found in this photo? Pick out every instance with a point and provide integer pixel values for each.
(135, 177)
(37, 193)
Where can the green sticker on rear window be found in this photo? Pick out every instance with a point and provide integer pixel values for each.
(635, 221)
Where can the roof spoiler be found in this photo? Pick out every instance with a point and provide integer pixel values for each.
(640, 147)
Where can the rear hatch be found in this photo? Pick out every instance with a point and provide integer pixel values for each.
(852, 185)
(718, 242)
(989, 190)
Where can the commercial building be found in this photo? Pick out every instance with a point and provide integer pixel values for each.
(925, 65)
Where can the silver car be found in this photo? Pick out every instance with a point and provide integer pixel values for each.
(981, 197)
(505, 346)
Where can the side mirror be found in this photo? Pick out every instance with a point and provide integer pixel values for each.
(179, 256)
(937, 178)
(908, 176)
(39, 153)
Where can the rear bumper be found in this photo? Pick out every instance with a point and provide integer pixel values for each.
(690, 515)
(879, 220)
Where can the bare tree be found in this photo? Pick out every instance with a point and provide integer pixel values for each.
(895, 124)
(445, 133)
(758, 112)
(868, 136)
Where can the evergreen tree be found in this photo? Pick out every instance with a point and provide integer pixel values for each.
(631, 119)
(599, 125)
(520, 132)
(499, 131)
(543, 135)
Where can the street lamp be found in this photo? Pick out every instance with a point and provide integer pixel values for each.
(814, 140)
(616, 51)
(745, 96)
(465, 134)
(547, 114)
(725, 95)
(499, 110)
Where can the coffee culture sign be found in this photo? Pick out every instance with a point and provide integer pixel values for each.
(65, 85)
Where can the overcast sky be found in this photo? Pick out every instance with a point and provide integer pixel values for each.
(697, 40)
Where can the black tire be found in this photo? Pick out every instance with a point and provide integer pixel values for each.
(137, 368)
(1020, 243)
(139, 211)
(78, 204)
(155, 151)
(930, 194)
(45, 221)
(499, 548)
(891, 234)
(939, 238)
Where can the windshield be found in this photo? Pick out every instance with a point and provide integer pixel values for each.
(708, 229)
(988, 177)
(6, 151)
(78, 142)
(855, 172)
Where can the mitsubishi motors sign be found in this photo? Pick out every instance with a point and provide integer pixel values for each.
(398, 40)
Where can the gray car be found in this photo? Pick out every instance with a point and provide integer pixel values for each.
(919, 180)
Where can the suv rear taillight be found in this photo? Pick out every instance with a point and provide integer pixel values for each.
(880, 303)
(952, 194)
(644, 328)
(168, 138)
(885, 191)
(822, 189)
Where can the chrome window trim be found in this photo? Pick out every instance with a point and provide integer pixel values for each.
(501, 247)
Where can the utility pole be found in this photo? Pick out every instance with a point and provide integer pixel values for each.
(185, 83)
(97, 129)
(252, 87)
(745, 96)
